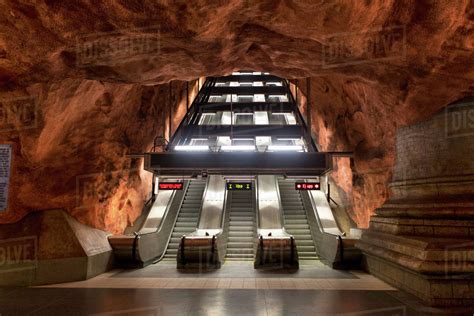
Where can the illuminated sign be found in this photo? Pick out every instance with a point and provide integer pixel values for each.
(170, 185)
(307, 186)
(239, 186)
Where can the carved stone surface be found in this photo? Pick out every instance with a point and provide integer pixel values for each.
(51, 247)
(422, 239)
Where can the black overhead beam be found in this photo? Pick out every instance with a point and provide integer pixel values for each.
(249, 90)
(193, 163)
(247, 107)
(244, 130)
(248, 78)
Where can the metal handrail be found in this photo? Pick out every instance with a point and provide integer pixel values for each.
(202, 201)
(280, 205)
(223, 213)
(174, 223)
(168, 206)
(303, 122)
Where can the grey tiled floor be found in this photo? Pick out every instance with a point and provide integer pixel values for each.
(236, 269)
(42, 301)
(91, 301)
(236, 290)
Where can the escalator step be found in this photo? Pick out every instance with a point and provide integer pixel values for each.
(239, 244)
(247, 239)
(240, 251)
(241, 218)
(296, 226)
(295, 222)
(241, 233)
(308, 242)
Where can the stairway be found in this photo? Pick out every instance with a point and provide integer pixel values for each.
(296, 220)
(242, 226)
(187, 217)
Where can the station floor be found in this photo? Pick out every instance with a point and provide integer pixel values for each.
(235, 289)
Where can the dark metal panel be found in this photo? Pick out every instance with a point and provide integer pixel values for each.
(247, 107)
(249, 90)
(185, 163)
(245, 130)
(248, 78)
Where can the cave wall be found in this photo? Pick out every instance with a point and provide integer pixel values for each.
(98, 73)
(72, 152)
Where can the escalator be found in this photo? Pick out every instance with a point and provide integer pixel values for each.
(296, 220)
(187, 218)
(242, 226)
(308, 217)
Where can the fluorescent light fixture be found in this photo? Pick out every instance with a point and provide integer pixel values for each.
(191, 148)
(238, 147)
(261, 118)
(285, 148)
(258, 98)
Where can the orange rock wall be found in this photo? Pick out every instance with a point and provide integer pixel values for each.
(99, 71)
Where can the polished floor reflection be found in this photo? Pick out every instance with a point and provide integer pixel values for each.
(236, 289)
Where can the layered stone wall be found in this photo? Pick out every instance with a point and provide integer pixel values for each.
(422, 238)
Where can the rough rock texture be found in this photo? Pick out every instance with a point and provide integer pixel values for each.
(98, 73)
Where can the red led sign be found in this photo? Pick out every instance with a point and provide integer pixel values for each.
(170, 185)
(307, 186)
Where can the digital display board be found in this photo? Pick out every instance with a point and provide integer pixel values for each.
(307, 186)
(237, 186)
(170, 186)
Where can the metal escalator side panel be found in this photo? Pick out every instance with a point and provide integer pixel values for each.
(268, 203)
(212, 209)
(187, 216)
(158, 211)
(203, 247)
(275, 248)
(141, 249)
(324, 213)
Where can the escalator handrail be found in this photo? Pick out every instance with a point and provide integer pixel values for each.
(315, 211)
(160, 226)
(202, 201)
(150, 200)
(224, 210)
(134, 246)
(341, 248)
(280, 205)
(186, 188)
